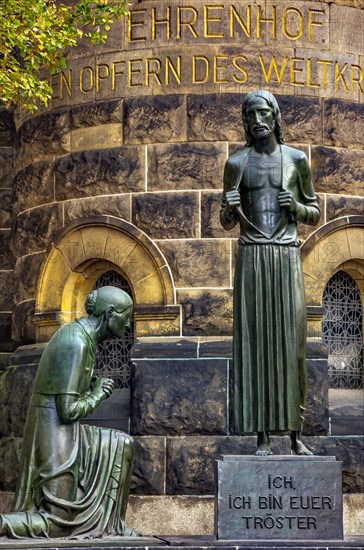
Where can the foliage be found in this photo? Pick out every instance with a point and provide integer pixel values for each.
(36, 34)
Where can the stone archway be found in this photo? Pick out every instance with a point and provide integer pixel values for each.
(87, 249)
(338, 245)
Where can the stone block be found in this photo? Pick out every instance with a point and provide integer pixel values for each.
(206, 312)
(26, 275)
(185, 166)
(7, 127)
(96, 137)
(349, 450)
(7, 284)
(177, 396)
(149, 466)
(155, 119)
(351, 22)
(43, 136)
(6, 342)
(198, 263)
(110, 205)
(346, 412)
(6, 167)
(99, 172)
(35, 229)
(10, 452)
(302, 119)
(343, 123)
(34, 185)
(167, 215)
(6, 207)
(191, 460)
(338, 170)
(94, 114)
(317, 405)
(16, 388)
(215, 117)
(6, 254)
(210, 217)
(181, 516)
(23, 328)
(341, 205)
(284, 498)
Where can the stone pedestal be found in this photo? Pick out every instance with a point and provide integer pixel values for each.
(281, 497)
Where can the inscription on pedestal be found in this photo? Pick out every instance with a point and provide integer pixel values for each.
(282, 497)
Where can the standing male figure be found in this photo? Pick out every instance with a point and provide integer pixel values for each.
(267, 190)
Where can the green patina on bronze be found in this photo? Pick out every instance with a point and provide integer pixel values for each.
(74, 479)
(267, 190)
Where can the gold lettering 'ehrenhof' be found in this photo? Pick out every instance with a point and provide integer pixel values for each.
(224, 21)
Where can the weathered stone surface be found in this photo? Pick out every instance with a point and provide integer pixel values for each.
(190, 460)
(317, 405)
(102, 112)
(341, 205)
(23, 329)
(35, 229)
(185, 166)
(347, 449)
(149, 466)
(167, 215)
(177, 396)
(347, 412)
(6, 290)
(6, 342)
(198, 263)
(10, 451)
(215, 117)
(206, 312)
(111, 205)
(99, 172)
(338, 170)
(6, 206)
(7, 127)
(6, 166)
(301, 119)
(34, 185)
(6, 255)
(210, 216)
(182, 516)
(343, 123)
(155, 119)
(96, 137)
(43, 136)
(350, 21)
(26, 274)
(16, 387)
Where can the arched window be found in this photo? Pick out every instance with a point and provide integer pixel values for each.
(113, 355)
(342, 330)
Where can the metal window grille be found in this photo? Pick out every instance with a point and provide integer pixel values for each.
(113, 355)
(342, 330)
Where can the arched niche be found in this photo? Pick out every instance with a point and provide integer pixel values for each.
(338, 245)
(85, 251)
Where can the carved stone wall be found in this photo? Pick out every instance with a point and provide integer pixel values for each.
(124, 171)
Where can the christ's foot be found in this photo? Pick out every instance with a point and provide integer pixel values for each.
(298, 448)
(264, 450)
